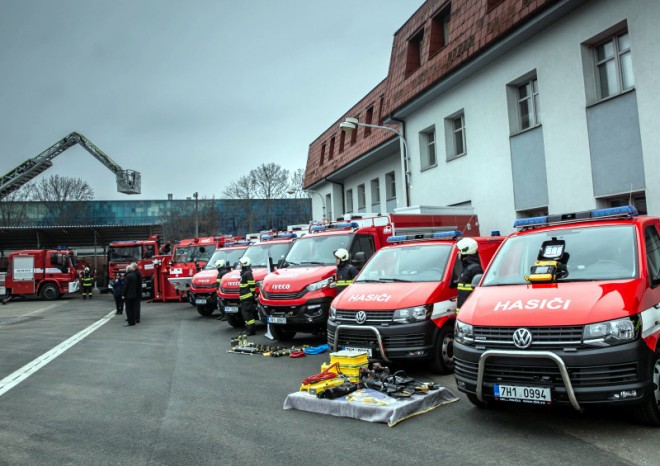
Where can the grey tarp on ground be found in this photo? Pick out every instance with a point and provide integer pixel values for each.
(371, 405)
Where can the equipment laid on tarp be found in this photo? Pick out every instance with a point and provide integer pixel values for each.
(348, 387)
(241, 345)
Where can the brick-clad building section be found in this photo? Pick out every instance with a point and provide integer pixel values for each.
(419, 58)
(326, 156)
(473, 26)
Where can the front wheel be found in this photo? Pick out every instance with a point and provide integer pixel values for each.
(235, 320)
(280, 333)
(476, 401)
(442, 358)
(49, 292)
(649, 412)
(204, 310)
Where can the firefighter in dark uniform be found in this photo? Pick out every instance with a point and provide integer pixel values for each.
(87, 283)
(247, 296)
(346, 272)
(469, 255)
(223, 269)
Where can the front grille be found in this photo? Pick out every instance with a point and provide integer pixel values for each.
(282, 296)
(373, 317)
(548, 374)
(229, 290)
(205, 287)
(367, 339)
(542, 337)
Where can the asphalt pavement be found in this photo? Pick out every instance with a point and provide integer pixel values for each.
(87, 390)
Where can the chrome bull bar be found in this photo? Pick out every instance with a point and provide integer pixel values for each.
(527, 355)
(381, 347)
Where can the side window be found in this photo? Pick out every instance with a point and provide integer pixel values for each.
(458, 270)
(150, 251)
(362, 249)
(652, 250)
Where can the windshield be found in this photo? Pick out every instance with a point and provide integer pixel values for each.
(259, 253)
(317, 250)
(181, 254)
(125, 253)
(202, 253)
(230, 256)
(594, 253)
(421, 263)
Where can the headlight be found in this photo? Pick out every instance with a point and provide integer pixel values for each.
(463, 333)
(609, 333)
(320, 285)
(412, 314)
(332, 313)
(259, 284)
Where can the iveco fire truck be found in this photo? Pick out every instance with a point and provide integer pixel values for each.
(45, 273)
(142, 252)
(265, 256)
(567, 313)
(204, 283)
(402, 305)
(296, 297)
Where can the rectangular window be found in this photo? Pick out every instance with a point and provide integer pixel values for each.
(455, 135)
(322, 153)
(380, 110)
(528, 104)
(390, 186)
(362, 197)
(439, 36)
(427, 148)
(613, 61)
(414, 53)
(368, 120)
(342, 141)
(332, 148)
(328, 204)
(349, 201)
(652, 240)
(375, 191)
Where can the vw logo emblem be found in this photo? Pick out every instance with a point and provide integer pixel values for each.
(522, 338)
(360, 317)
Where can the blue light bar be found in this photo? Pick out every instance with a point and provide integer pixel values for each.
(615, 211)
(335, 225)
(397, 238)
(446, 234)
(530, 222)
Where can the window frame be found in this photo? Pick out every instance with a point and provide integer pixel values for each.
(349, 200)
(617, 59)
(451, 133)
(390, 186)
(375, 191)
(428, 152)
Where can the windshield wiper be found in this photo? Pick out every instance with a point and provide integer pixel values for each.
(392, 279)
(313, 263)
(369, 281)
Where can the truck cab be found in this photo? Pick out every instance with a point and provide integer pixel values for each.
(189, 256)
(402, 305)
(567, 313)
(265, 256)
(142, 252)
(204, 283)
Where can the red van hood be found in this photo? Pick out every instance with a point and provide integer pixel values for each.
(379, 296)
(205, 277)
(294, 279)
(558, 304)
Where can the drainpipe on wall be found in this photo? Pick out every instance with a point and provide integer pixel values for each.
(405, 159)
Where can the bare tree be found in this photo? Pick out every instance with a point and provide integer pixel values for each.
(267, 181)
(241, 189)
(13, 208)
(57, 192)
(296, 181)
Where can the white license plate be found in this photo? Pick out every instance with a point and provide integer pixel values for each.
(200, 301)
(231, 309)
(360, 350)
(276, 320)
(539, 395)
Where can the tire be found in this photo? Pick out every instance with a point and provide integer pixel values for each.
(235, 320)
(280, 333)
(649, 412)
(205, 310)
(49, 292)
(442, 358)
(475, 401)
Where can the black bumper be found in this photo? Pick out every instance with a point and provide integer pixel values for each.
(311, 317)
(396, 342)
(612, 375)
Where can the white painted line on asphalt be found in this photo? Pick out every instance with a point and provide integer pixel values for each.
(43, 309)
(30, 368)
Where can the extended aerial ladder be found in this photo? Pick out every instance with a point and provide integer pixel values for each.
(128, 181)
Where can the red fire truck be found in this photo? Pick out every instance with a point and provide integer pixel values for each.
(402, 305)
(204, 284)
(296, 297)
(46, 273)
(567, 313)
(142, 252)
(265, 256)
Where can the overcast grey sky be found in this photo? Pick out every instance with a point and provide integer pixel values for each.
(192, 94)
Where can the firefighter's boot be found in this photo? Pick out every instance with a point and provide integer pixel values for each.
(249, 327)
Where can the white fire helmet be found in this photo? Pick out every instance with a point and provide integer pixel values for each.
(86, 269)
(219, 263)
(467, 246)
(341, 254)
(245, 261)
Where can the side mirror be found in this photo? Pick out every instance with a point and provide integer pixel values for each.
(280, 263)
(476, 279)
(360, 258)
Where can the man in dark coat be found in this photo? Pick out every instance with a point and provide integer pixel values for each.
(131, 293)
(117, 287)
